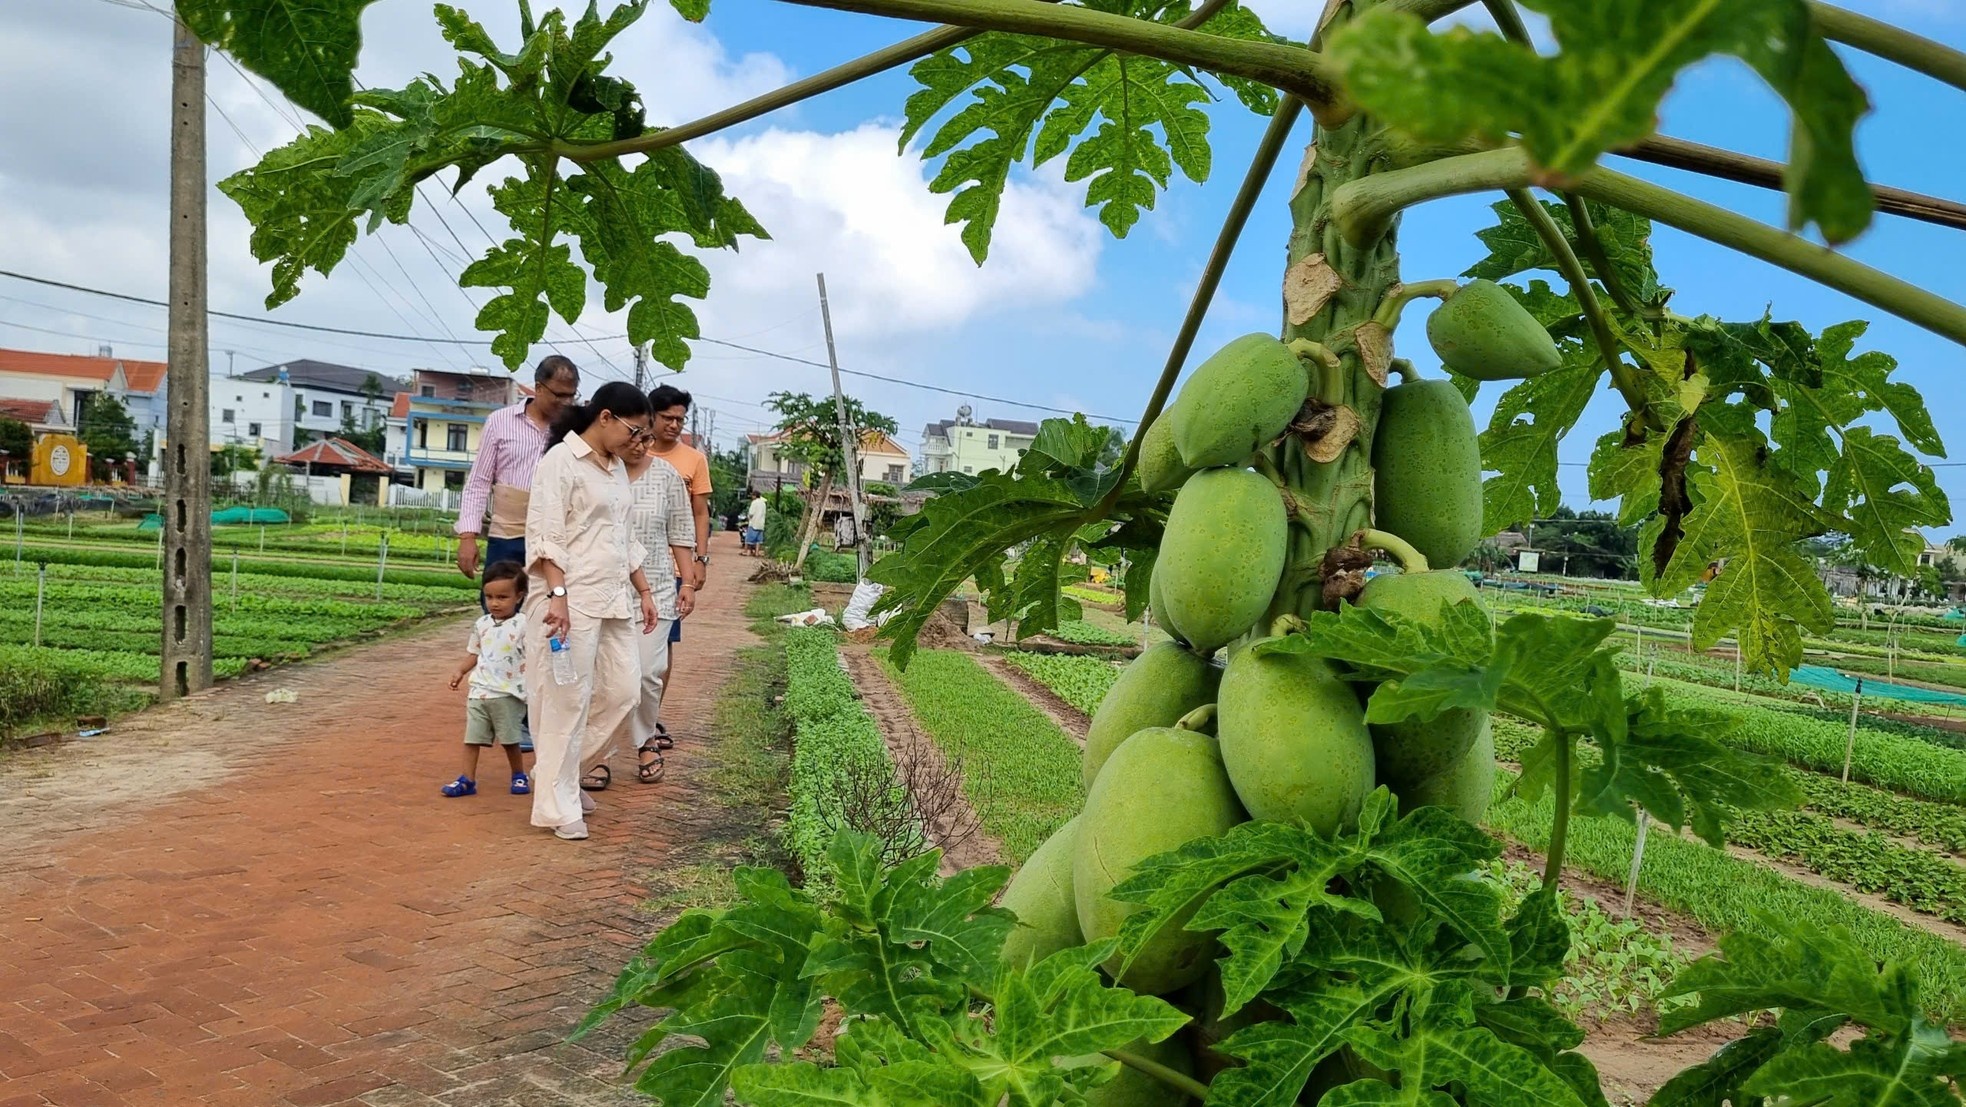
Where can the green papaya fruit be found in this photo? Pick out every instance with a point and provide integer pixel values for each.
(1164, 683)
(1239, 400)
(1040, 895)
(1161, 467)
(1426, 484)
(1466, 788)
(1133, 1088)
(1484, 332)
(1221, 556)
(1162, 788)
(1293, 740)
(1410, 750)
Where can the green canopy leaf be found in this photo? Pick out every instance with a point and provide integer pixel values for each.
(307, 48)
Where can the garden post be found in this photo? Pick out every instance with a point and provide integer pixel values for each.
(1638, 858)
(235, 578)
(40, 592)
(381, 563)
(1850, 744)
(20, 533)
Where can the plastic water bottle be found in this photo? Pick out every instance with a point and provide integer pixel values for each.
(562, 661)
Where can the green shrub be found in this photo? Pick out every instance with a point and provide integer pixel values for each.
(836, 750)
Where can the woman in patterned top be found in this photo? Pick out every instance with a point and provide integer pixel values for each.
(665, 525)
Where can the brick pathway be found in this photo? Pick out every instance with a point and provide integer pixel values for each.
(231, 902)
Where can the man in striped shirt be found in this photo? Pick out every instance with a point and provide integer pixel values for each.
(501, 475)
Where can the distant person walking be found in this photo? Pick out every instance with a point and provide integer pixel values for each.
(754, 525)
(588, 591)
(501, 476)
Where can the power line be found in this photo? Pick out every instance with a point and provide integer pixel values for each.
(904, 382)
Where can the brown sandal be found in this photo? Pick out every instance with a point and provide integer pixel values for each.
(648, 772)
(597, 779)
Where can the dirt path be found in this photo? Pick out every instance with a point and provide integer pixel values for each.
(1069, 719)
(230, 902)
(958, 831)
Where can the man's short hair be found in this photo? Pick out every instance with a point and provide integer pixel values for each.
(665, 396)
(552, 365)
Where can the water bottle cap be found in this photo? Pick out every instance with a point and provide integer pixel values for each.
(557, 645)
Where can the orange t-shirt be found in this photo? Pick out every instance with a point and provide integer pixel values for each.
(691, 464)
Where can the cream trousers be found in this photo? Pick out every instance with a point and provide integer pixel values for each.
(639, 726)
(574, 725)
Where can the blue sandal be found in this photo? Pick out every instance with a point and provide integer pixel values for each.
(462, 786)
(521, 785)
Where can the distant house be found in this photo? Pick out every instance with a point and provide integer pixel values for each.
(963, 445)
(362, 475)
(41, 416)
(435, 423)
(321, 396)
(881, 459)
(67, 381)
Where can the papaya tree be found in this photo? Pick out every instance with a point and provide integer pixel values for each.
(808, 432)
(1271, 894)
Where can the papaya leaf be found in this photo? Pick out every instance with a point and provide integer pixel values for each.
(1539, 939)
(1128, 121)
(1819, 980)
(1520, 445)
(307, 200)
(1677, 764)
(308, 50)
(1602, 89)
(1749, 516)
(1490, 1071)
(1515, 247)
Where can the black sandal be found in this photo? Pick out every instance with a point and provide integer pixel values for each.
(662, 740)
(649, 771)
(597, 779)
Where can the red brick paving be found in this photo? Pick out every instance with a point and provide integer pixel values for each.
(302, 921)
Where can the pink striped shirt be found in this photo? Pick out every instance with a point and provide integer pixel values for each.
(508, 451)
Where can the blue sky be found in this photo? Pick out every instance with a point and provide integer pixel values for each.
(1063, 317)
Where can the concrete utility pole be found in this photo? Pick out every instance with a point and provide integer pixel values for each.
(849, 440)
(187, 507)
(641, 368)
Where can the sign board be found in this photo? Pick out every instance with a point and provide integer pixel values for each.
(59, 459)
(1529, 561)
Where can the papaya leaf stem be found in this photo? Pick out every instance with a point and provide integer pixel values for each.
(1560, 825)
(1510, 21)
(1309, 76)
(1365, 207)
(1260, 166)
(1394, 305)
(1874, 36)
(1386, 542)
(839, 76)
(1404, 370)
(1160, 1072)
(1609, 350)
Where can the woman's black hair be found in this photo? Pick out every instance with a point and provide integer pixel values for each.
(504, 570)
(618, 398)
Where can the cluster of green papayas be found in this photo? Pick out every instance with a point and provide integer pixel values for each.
(1188, 743)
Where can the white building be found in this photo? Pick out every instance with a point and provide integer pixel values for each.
(254, 413)
(963, 445)
(324, 395)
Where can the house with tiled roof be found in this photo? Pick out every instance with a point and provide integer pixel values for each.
(966, 444)
(67, 382)
(881, 459)
(322, 395)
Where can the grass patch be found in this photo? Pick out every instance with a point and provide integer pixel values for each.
(1020, 772)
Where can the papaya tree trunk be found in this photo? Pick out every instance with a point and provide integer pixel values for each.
(809, 529)
(1331, 291)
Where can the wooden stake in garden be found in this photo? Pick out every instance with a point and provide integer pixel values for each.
(187, 507)
(1850, 744)
(381, 563)
(1638, 858)
(40, 594)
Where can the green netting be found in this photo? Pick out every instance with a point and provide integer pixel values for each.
(1817, 676)
(151, 522)
(233, 516)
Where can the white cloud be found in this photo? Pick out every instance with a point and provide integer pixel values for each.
(850, 206)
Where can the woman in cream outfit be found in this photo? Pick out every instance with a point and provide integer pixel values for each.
(587, 588)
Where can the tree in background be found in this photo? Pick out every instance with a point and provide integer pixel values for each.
(371, 438)
(16, 439)
(107, 429)
(1589, 543)
(809, 432)
(729, 477)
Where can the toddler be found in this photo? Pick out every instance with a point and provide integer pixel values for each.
(495, 708)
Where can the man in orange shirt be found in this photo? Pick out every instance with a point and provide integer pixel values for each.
(671, 406)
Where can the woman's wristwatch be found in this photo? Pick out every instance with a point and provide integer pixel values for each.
(703, 559)
(558, 592)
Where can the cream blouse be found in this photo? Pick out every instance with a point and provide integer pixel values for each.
(578, 518)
